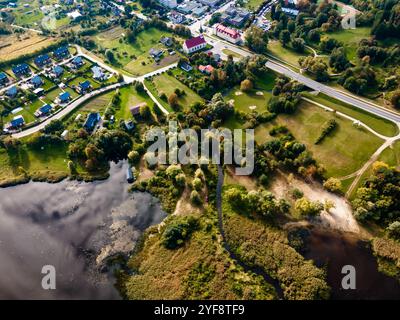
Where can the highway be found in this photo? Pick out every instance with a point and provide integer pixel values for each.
(347, 98)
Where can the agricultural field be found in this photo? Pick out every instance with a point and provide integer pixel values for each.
(306, 125)
(14, 45)
(135, 58)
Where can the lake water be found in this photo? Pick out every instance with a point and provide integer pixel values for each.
(69, 225)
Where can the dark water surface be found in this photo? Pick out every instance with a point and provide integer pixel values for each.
(68, 225)
(334, 250)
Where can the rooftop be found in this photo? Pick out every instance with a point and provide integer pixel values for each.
(193, 42)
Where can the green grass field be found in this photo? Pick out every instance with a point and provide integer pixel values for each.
(338, 152)
(135, 58)
(129, 98)
(288, 55)
(232, 53)
(167, 84)
(351, 38)
(380, 125)
(257, 98)
(253, 5)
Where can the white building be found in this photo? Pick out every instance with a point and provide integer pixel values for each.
(194, 44)
(226, 33)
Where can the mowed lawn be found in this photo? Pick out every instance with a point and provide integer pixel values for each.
(276, 49)
(51, 158)
(167, 84)
(342, 152)
(256, 99)
(351, 38)
(135, 58)
(129, 98)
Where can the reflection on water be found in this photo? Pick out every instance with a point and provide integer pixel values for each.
(334, 250)
(69, 225)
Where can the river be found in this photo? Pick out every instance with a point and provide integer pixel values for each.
(69, 225)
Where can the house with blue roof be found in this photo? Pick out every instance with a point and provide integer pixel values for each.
(64, 97)
(78, 62)
(42, 60)
(3, 78)
(21, 69)
(61, 53)
(91, 121)
(84, 87)
(37, 81)
(43, 110)
(58, 71)
(16, 122)
(12, 92)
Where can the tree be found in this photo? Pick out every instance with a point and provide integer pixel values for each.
(110, 55)
(178, 231)
(195, 198)
(256, 39)
(315, 66)
(197, 184)
(333, 185)
(338, 59)
(173, 100)
(284, 37)
(145, 112)
(305, 207)
(395, 99)
(246, 85)
(133, 157)
(393, 230)
(298, 44)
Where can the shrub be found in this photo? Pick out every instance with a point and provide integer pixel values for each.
(177, 232)
(327, 128)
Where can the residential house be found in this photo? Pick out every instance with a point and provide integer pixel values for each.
(92, 119)
(188, 6)
(58, 71)
(291, 12)
(16, 122)
(21, 70)
(129, 125)
(98, 73)
(38, 91)
(65, 135)
(194, 44)
(210, 3)
(61, 53)
(42, 60)
(84, 87)
(74, 15)
(3, 78)
(43, 110)
(226, 33)
(77, 62)
(156, 53)
(36, 81)
(199, 11)
(176, 17)
(208, 69)
(64, 97)
(166, 41)
(11, 92)
(186, 67)
(135, 110)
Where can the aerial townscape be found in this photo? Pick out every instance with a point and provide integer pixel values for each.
(316, 85)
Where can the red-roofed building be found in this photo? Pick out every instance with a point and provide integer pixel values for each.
(208, 69)
(194, 44)
(226, 33)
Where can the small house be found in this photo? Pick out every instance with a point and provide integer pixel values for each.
(78, 62)
(208, 69)
(36, 81)
(166, 41)
(21, 69)
(84, 87)
(129, 175)
(64, 97)
(58, 71)
(43, 111)
(3, 78)
(64, 134)
(129, 125)
(155, 53)
(42, 60)
(61, 53)
(186, 67)
(17, 122)
(38, 91)
(11, 92)
(135, 110)
(91, 121)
